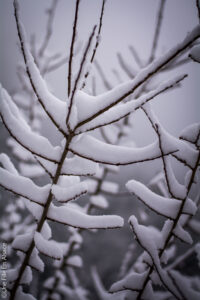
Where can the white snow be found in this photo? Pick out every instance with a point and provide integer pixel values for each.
(75, 261)
(189, 207)
(23, 242)
(7, 164)
(54, 107)
(167, 207)
(35, 261)
(46, 231)
(32, 141)
(93, 149)
(122, 110)
(69, 193)
(79, 166)
(35, 209)
(74, 218)
(149, 241)
(191, 133)
(182, 234)
(47, 247)
(31, 170)
(195, 53)
(24, 186)
(132, 281)
(99, 201)
(83, 101)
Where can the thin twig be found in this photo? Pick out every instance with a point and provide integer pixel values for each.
(198, 8)
(79, 75)
(28, 71)
(72, 46)
(97, 41)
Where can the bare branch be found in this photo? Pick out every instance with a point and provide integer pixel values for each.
(16, 14)
(97, 41)
(198, 8)
(24, 146)
(145, 99)
(79, 75)
(122, 164)
(147, 73)
(72, 47)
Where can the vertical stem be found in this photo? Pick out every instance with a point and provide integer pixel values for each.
(41, 221)
(72, 47)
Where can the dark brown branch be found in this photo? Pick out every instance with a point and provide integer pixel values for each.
(174, 223)
(79, 76)
(43, 167)
(21, 195)
(73, 198)
(22, 145)
(137, 107)
(72, 47)
(151, 208)
(97, 41)
(16, 14)
(154, 263)
(182, 161)
(163, 160)
(122, 164)
(198, 8)
(151, 70)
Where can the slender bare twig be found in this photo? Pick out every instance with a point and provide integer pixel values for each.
(72, 46)
(28, 72)
(97, 41)
(157, 93)
(198, 8)
(79, 75)
(148, 73)
(24, 146)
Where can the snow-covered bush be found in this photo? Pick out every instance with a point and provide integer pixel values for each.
(80, 163)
